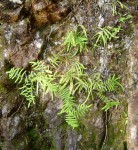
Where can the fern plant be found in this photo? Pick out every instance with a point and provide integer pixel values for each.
(72, 76)
(17, 73)
(67, 78)
(76, 40)
(110, 85)
(105, 34)
(40, 77)
(117, 4)
(125, 18)
(70, 83)
(110, 104)
(80, 82)
(73, 111)
(27, 90)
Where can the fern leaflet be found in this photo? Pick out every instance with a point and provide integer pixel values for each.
(17, 74)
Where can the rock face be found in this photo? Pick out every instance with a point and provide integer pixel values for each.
(23, 40)
(133, 100)
(34, 29)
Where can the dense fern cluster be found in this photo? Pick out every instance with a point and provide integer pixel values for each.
(68, 81)
(74, 81)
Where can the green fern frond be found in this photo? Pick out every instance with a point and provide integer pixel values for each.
(17, 74)
(73, 111)
(97, 82)
(73, 116)
(117, 4)
(106, 34)
(110, 104)
(68, 101)
(112, 83)
(40, 67)
(102, 96)
(73, 76)
(80, 85)
(82, 109)
(55, 60)
(40, 77)
(71, 119)
(124, 18)
(27, 90)
(83, 30)
(46, 83)
(76, 39)
(77, 67)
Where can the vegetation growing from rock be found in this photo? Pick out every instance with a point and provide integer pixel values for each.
(105, 34)
(67, 78)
